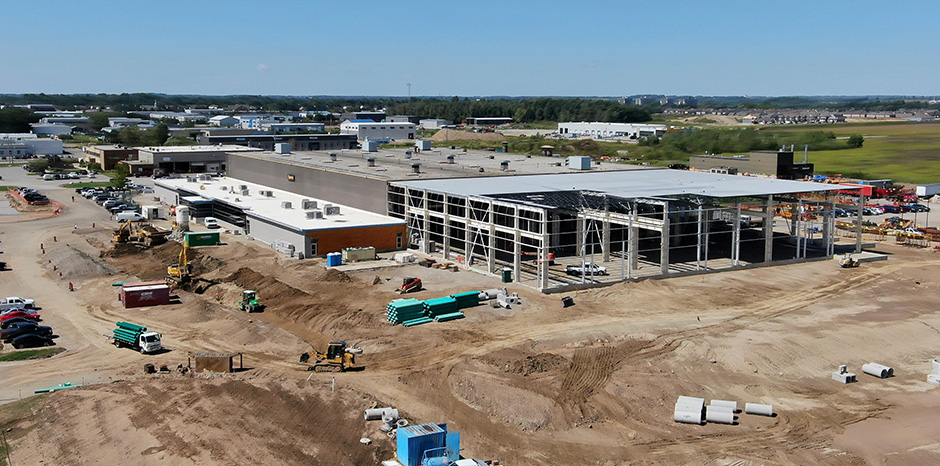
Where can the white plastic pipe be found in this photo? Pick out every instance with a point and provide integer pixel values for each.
(689, 407)
(936, 366)
(724, 403)
(692, 400)
(688, 417)
(877, 370)
(375, 414)
(759, 409)
(720, 415)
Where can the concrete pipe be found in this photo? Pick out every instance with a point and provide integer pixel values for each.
(936, 366)
(691, 407)
(692, 400)
(375, 414)
(688, 417)
(720, 415)
(933, 378)
(759, 409)
(489, 294)
(726, 404)
(877, 370)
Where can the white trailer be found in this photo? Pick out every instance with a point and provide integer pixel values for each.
(927, 190)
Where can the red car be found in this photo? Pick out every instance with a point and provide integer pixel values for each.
(14, 313)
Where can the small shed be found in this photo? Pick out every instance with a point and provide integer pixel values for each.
(215, 362)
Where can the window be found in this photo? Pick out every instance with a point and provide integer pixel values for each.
(398, 240)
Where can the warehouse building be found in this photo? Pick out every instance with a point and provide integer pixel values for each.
(108, 155)
(368, 129)
(187, 159)
(599, 129)
(363, 115)
(772, 163)
(21, 145)
(298, 142)
(488, 121)
(295, 224)
(434, 123)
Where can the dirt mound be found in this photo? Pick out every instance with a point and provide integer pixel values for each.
(455, 135)
(333, 275)
(151, 263)
(539, 363)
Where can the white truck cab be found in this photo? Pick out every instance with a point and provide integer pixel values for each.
(150, 342)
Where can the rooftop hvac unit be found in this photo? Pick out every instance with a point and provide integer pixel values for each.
(416, 168)
(308, 204)
(286, 205)
(282, 148)
(191, 179)
(243, 187)
(504, 165)
(326, 207)
(408, 154)
(314, 214)
(370, 161)
(244, 192)
(331, 210)
(333, 156)
(451, 158)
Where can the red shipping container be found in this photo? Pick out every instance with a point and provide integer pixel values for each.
(151, 294)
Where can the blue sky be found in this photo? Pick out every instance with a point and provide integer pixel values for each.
(515, 47)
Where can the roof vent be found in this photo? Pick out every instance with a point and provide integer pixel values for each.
(244, 192)
(308, 204)
(243, 187)
(314, 214)
(416, 167)
(451, 158)
(370, 162)
(333, 156)
(331, 209)
(504, 165)
(408, 154)
(286, 205)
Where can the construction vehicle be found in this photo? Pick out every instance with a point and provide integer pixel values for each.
(848, 262)
(181, 271)
(137, 232)
(338, 358)
(409, 285)
(249, 302)
(136, 337)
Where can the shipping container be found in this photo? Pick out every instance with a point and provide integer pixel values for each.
(147, 294)
(927, 190)
(413, 441)
(358, 254)
(202, 238)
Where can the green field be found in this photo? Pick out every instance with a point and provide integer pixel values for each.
(7, 188)
(904, 152)
(91, 184)
(31, 354)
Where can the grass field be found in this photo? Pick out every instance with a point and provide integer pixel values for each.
(7, 188)
(31, 354)
(904, 152)
(91, 184)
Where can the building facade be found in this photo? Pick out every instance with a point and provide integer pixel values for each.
(368, 129)
(599, 129)
(772, 163)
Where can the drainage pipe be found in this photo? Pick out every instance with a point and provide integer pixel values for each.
(877, 370)
(759, 409)
(376, 414)
(719, 414)
(688, 417)
(726, 404)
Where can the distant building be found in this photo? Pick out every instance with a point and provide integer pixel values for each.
(403, 119)
(187, 159)
(80, 123)
(223, 120)
(487, 121)
(282, 127)
(21, 145)
(53, 129)
(599, 129)
(109, 155)
(368, 129)
(776, 163)
(298, 142)
(432, 123)
(363, 115)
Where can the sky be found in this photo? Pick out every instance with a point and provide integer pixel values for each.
(471, 48)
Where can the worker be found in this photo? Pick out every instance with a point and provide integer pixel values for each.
(71, 287)
(73, 198)
(75, 227)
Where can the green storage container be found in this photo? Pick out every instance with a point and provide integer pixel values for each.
(202, 238)
(507, 275)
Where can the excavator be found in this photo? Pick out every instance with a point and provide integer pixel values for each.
(137, 232)
(337, 358)
(181, 271)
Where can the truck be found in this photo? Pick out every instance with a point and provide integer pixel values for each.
(12, 302)
(587, 268)
(136, 337)
(927, 190)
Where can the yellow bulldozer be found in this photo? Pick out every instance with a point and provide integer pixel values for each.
(138, 232)
(337, 358)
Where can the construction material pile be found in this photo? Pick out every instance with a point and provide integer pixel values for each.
(410, 312)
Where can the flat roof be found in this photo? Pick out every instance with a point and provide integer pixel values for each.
(205, 148)
(392, 164)
(651, 183)
(269, 208)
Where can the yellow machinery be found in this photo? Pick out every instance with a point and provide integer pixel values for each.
(182, 270)
(848, 262)
(143, 233)
(338, 358)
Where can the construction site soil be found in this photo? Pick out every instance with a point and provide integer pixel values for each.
(535, 385)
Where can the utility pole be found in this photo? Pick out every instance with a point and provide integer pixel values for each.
(409, 91)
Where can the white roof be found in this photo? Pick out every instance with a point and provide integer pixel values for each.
(269, 208)
(625, 184)
(204, 148)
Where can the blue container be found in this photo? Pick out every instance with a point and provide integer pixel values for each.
(453, 446)
(413, 441)
(334, 259)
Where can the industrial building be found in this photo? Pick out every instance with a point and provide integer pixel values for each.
(108, 155)
(368, 129)
(51, 129)
(298, 142)
(599, 129)
(493, 212)
(297, 225)
(223, 120)
(186, 159)
(487, 121)
(772, 163)
(281, 127)
(21, 145)
(434, 123)
(363, 115)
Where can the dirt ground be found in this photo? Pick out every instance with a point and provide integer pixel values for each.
(541, 384)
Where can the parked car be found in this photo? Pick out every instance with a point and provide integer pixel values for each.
(918, 208)
(111, 203)
(16, 313)
(14, 331)
(74, 176)
(16, 320)
(587, 269)
(129, 216)
(31, 340)
(890, 209)
(211, 222)
(48, 177)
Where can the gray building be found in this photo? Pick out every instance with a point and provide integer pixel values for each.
(363, 115)
(778, 163)
(188, 159)
(298, 142)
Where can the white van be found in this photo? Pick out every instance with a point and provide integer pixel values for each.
(129, 217)
(211, 222)
(48, 177)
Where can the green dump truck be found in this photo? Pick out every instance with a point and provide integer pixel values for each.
(137, 337)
